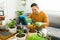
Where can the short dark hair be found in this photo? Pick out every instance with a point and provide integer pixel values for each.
(34, 4)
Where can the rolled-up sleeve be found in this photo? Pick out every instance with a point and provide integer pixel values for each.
(45, 20)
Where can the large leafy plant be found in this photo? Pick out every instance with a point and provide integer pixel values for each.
(11, 24)
(35, 37)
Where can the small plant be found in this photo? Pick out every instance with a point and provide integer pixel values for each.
(35, 37)
(32, 28)
(11, 24)
(31, 25)
(19, 33)
(19, 13)
(40, 34)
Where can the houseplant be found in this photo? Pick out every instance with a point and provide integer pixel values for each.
(31, 25)
(35, 37)
(31, 32)
(20, 35)
(31, 28)
(11, 26)
(19, 13)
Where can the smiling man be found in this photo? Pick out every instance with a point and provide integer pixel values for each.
(39, 17)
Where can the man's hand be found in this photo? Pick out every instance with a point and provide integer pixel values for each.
(38, 24)
(29, 20)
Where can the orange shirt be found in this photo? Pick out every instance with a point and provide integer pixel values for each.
(40, 17)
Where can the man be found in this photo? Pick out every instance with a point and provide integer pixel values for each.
(39, 16)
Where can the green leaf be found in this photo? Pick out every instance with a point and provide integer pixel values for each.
(20, 32)
(35, 37)
(11, 24)
(19, 13)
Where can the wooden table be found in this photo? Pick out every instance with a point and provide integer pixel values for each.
(5, 37)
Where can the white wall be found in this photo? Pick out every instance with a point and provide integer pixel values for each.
(49, 4)
(19, 5)
(28, 5)
(44, 4)
(9, 9)
(25, 8)
(10, 6)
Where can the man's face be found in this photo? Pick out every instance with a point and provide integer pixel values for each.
(35, 9)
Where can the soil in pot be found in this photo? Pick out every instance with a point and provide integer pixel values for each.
(12, 27)
(20, 35)
(18, 27)
(32, 31)
(25, 30)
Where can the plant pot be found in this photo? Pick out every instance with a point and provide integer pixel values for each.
(23, 37)
(12, 30)
(30, 34)
(25, 30)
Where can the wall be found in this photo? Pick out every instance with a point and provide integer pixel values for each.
(10, 6)
(28, 5)
(9, 9)
(44, 4)
(49, 4)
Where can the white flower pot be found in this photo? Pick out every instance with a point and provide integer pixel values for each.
(12, 30)
(30, 34)
(22, 38)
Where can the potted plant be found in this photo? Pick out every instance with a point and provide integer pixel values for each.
(11, 26)
(20, 35)
(31, 31)
(31, 28)
(31, 25)
(35, 37)
(19, 13)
